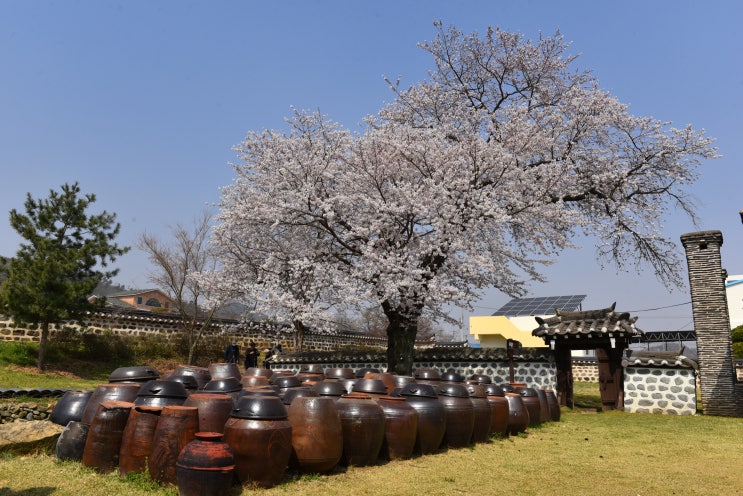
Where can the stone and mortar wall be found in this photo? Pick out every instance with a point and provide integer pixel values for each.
(11, 412)
(534, 367)
(660, 390)
(585, 371)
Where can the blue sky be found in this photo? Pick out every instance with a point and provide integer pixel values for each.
(141, 102)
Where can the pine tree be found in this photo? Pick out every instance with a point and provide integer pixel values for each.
(64, 256)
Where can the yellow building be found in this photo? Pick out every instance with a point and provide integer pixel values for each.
(515, 320)
(492, 331)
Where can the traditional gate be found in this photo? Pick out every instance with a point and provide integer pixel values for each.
(607, 332)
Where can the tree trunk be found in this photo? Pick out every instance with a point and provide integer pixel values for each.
(42, 345)
(401, 332)
(298, 336)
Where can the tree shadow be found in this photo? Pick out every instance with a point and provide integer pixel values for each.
(33, 491)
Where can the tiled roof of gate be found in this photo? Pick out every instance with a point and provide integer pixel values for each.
(642, 358)
(604, 322)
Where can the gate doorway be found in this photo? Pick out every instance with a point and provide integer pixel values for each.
(605, 331)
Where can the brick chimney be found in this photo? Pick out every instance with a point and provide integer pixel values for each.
(721, 393)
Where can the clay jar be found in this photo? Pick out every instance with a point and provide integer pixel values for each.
(214, 410)
(176, 427)
(483, 413)
(518, 415)
(254, 381)
(317, 434)
(427, 376)
(206, 465)
(224, 370)
(499, 407)
(161, 393)
(121, 391)
(431, 416)
(532, 404)
(71, 442)
(136, 442)
(337, 373)
(481, 378)
(105, 434)
(139, 373)
(552, 403)
(201, 374)
(70, 407)
(362, 421)
(400, 428)
(330, 388)
(260, 435)
(373, 387)
(544, 407)
(387, 378)
(258, 371)
(460, 415)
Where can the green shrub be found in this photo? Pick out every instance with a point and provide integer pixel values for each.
(23, 354)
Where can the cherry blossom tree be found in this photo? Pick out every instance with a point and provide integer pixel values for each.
(473, 178)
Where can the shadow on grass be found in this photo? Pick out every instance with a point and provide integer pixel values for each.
(34, 491)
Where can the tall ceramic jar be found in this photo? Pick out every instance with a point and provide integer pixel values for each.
(260, 434)
(460, 415)
(532, 404)
(70, 407)
(317, 434)
(105, 434)
(544, 407)
(205, 466)
(119, 391)
(518, 415)
(221, 370)
(499, 407)
(136, 442)
(553, 404)
(176, 427)
(362, 421)
(214, 410)
(483, 413)
(431, 416)
(400, 428)
(201, 374)
(71, 442)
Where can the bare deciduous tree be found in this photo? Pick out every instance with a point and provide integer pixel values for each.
(188, 252)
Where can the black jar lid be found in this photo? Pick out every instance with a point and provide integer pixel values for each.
(453, 389)
(169, 389)
(419, 390)
(260, 408)
(287, 381)
(138, 373)
(330, 388)
(373, 386)
(476, 391)
(189, 382)
(225, 385)
(298, 392)
(427, 374)
(494, 390)
(452, 376)
(482, 378)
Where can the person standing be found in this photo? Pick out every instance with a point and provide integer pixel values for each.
(251, 356)
(232, 353)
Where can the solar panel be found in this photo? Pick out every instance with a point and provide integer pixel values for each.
(544, 305)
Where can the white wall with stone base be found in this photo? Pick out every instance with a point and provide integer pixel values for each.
(660, 390)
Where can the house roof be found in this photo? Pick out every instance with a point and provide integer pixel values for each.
(591, 324)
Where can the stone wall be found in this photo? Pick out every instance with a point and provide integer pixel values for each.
(11, 412)
(141, 323)
(534, 366)
(660, 390)
(585, 370)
